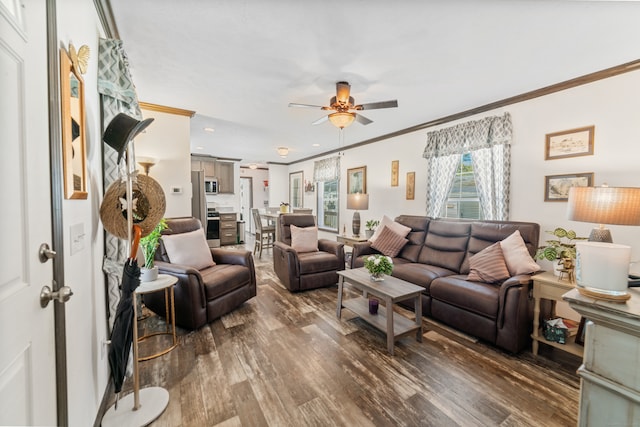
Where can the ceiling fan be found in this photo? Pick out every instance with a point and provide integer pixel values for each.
(345, 109)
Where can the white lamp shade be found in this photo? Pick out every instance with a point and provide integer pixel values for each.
(602, 267)
(604, 205)
(358, 201)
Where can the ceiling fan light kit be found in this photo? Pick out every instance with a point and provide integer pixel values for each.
(345, 108)
(342, 120)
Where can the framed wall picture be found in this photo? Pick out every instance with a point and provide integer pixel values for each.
(395, 169)
(357, 180)
(556, 187)
(296, 188)
(569, 143)
(411, 186)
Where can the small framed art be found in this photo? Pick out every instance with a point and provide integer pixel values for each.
(357, 180)
(411, 186)
(556, 187)
(569, 143)
(395, 168)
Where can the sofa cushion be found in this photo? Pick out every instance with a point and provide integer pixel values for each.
(304, 239)
(419, 274)
(446, 244)
(188, 248)
(419, 226)
(397, 228)
(389, 243)
(476, 297)
(317, 262)
(224, 278)
(517, 256)
(488, 265)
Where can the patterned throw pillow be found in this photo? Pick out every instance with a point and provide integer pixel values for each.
(304, 239)
(389, 243)
(488, 265)
(189, 249)
(517, 256)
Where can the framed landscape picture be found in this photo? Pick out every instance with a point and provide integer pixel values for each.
(569, 143)
(556, 187)
(357, 180)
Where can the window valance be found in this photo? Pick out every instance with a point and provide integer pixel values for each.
(326, 169)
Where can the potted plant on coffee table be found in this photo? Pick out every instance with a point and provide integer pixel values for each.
(370, 227)
(378, 266)
(149, 245)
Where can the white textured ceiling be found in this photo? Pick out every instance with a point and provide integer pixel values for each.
(238, 63)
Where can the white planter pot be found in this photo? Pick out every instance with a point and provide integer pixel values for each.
(368, 233)
(148, 275)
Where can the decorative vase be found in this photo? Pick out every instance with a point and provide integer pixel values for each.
(377, 277)
(373, 306)
(284, 209)
(149, 275)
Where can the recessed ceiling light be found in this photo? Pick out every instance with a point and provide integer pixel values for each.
(199, 148)
(209, 130)
(316, 145)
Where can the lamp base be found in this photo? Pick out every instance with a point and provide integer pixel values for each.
(355, 226)
(600, 294)
(600, 235)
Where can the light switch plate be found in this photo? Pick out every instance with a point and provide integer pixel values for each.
(77, 238)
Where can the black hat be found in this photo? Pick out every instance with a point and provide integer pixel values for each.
(123, 129)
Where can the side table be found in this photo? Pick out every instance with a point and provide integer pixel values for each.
(165, 283)
(349, 241)
(548, 286)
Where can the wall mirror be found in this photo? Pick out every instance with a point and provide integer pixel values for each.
(73, 129)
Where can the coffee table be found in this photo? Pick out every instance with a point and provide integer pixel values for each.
(390, 290)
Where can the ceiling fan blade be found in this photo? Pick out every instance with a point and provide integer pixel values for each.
(362, 119)
(293, 104)
(377, 105)
(321, 120)
(342, 92)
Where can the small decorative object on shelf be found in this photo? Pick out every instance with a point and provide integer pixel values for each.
(378, 266)
(564, 252)
(370, 227)
(373, 306)
(284, 207)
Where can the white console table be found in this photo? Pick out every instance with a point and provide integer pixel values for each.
(610, 372)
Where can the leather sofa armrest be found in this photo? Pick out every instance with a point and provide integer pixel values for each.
(231, 256)
(168, 268)
(360, 249)
(522, 280)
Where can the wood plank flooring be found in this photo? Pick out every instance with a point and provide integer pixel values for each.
(284, 359)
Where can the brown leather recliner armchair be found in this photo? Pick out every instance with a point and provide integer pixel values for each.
(202, 296)
(308, 270)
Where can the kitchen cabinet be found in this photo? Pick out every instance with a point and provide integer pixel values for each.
(208, 165)
(225, 175)
(228, 229)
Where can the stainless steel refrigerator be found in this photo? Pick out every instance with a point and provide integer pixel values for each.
(198, 198)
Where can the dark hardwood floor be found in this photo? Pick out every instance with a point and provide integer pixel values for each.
(284, 359)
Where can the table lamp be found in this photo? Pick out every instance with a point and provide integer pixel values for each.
(604, 205)
(357, 201)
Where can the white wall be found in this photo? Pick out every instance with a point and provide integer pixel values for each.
(86, 327)
(612, 105)
(167, 141)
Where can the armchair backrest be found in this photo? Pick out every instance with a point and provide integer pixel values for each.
(299, 220)
(176, 226)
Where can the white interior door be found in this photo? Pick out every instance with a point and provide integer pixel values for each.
(27, 360)
(246, 203)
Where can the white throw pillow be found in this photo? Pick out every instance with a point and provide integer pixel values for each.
(517, 256)
(304, 239)
(396, 227)
(189, 249)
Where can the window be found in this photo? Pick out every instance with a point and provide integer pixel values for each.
(328, 205)
(463, 200)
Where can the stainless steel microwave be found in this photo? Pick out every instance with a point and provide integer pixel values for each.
(210, 186)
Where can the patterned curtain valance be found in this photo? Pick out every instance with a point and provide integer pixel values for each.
(469, 136)
(114, 79)
(326, 169)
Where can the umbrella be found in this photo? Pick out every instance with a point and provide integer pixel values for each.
(122, 332)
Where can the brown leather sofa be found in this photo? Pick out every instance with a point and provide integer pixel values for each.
(437, 258)
(202, 296)
(308, 270)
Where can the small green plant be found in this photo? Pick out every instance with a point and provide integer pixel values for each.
(558, 249)
(149, 243)
(372, 224)
(378, 264)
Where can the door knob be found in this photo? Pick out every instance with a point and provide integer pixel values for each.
(45, 253)
(62, 295)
